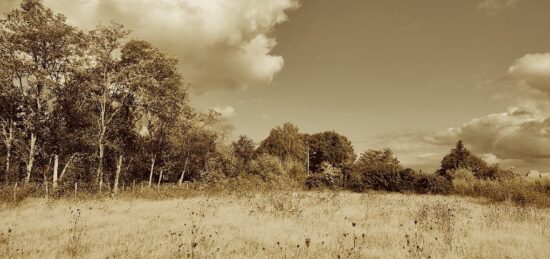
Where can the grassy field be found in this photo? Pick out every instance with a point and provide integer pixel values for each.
(274, 225)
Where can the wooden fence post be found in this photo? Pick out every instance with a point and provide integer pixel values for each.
(75, 188)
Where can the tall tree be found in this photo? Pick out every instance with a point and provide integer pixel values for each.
(159, 92)
(108, 88)
(10, 107)
(41, 49)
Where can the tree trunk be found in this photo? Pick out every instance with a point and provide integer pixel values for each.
(180, 181)
(99, 175)
(30, 163)
(102, 131)
(55, 167)
(152, 170)
(66, 167)
(117, 174)
(8, 140)
(8, 161)
(160, 178)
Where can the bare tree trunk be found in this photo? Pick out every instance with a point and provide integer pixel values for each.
(8, 140)
(180, 181)
(99, 175)
(55, 167)
(30, 163)
(8, 161)
(117, 174)
(66, 167)
(160, 178)
(102, 131)
(152, 170)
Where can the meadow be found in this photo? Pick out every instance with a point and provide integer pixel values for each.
(273, 224)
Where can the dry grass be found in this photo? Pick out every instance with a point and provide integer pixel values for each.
(275, 225)
(520, 191)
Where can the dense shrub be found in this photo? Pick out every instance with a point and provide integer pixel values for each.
(295, 170)
(327, 176)
(322, 180)
(520, 191)
(433, 184)
(267, 167)
(391, 180)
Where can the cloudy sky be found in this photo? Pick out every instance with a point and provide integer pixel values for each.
(414, 76)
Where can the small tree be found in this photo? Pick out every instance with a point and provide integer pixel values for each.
(244, 149)
(285, 142)
(461, 158)
(381, 170)
(329, 147)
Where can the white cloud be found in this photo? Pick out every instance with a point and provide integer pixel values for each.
(220, 43)
(490, 158)
(518, 137)
(533, 70)
(494, 6)
(226, 112)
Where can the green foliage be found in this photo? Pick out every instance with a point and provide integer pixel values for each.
(519, 191)
(462, 158)
(329, 147)
(268, 167)
(381, 170)
(244, 149)
(285, 142)
(462, 161)
(432, 184)
(327, 177)
(376, 160)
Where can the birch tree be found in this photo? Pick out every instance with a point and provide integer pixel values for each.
(107, 88)
(160, 96)
(41, 49)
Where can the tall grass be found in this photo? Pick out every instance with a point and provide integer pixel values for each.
(519, 191)
(282, 224)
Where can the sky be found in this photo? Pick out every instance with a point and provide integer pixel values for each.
(413, 76)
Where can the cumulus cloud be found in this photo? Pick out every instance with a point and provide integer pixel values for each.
(226, 112)
(494, 6)
(490, 158)
(220, 44)
(522, 133)
(518, 137)
(533, 70)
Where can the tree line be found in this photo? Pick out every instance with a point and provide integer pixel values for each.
(72, 100)
(97, 106)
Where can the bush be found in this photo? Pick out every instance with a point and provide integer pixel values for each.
(390, 180)
(433, 184)
(322, 180)
(267, 167)
(327, 177)
(494, 172)
(295, 170)
(519, 191)
(460, 174)
(406, 180)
